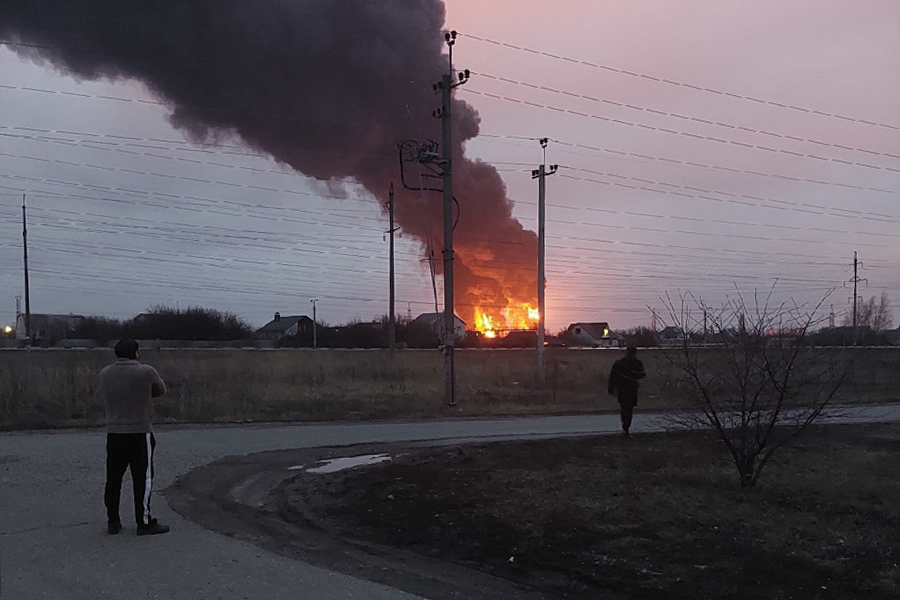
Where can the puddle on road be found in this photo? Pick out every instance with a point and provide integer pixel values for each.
(333, 465)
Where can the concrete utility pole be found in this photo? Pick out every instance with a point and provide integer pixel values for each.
(27, 286)
(426, 154)
(541, 174)
(446, 86)
(392, 322)
(314, 321)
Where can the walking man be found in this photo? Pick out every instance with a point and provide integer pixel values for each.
(128, 388)
(624, 380)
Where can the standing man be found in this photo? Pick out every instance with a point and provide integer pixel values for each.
(624, 379)
(128, 388)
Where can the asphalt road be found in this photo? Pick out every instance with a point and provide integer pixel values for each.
(53, 541)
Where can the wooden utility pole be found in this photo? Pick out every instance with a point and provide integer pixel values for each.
(27, 286)
(314, 301)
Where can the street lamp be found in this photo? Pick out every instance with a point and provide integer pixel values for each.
(314, 321)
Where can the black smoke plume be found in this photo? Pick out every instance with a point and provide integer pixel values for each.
(328, 87)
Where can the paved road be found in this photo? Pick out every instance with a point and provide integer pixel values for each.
(53, 542)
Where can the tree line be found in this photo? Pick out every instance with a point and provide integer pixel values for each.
(874, 317)
(166, 323)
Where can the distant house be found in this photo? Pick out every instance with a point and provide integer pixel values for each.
(281, 327)
(46, 327)
(671, 336)
(435, 322)
(595, 335)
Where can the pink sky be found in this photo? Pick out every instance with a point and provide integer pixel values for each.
(628, 218)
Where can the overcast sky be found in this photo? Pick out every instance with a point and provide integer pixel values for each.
(703, 145)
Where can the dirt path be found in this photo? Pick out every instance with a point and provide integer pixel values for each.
(271, 499)
(242, 497)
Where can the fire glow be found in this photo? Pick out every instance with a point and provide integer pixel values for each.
(514, 316)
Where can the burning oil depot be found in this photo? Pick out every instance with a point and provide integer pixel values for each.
(517, 328)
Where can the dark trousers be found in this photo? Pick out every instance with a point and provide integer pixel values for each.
(626, 412)
(129, 451)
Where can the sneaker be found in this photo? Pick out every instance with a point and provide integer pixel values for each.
(154, 528)
(113, 527)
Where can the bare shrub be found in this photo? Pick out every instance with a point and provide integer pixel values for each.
(754, 381)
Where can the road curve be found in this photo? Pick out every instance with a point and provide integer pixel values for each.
(53, 542)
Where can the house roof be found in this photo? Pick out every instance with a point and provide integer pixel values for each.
(431, 318)
(282, 324)
(595, 330)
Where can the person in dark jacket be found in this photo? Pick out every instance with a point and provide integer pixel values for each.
(624, 380)
(128, 389)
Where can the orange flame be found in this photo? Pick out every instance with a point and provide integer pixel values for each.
(484, 323)
(516, 316)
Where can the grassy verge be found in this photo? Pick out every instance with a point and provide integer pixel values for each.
(58, 388)
(659, 516)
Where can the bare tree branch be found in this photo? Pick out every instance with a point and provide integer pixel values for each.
(756, 382)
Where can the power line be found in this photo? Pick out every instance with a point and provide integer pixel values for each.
(156, 226)
(685, 85)
(281, 116)
(122, 143)
(741, 199)
(154, 257)
(638, 155)
(685, 134)
(229, 233)
(188, 203)
(644, 156)
(679, 116)
(694, 164)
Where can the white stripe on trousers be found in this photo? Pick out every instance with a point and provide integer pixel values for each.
(148, 479)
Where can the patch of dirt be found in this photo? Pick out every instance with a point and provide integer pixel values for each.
(661, 515)
(247, 498)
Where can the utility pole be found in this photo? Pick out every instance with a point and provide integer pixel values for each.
(314, 321)
(392, 321)
(855, 281)
(426, 154)
(446, 86)
(541, 175)
(27, 287)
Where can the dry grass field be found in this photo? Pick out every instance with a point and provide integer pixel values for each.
(58, 388)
